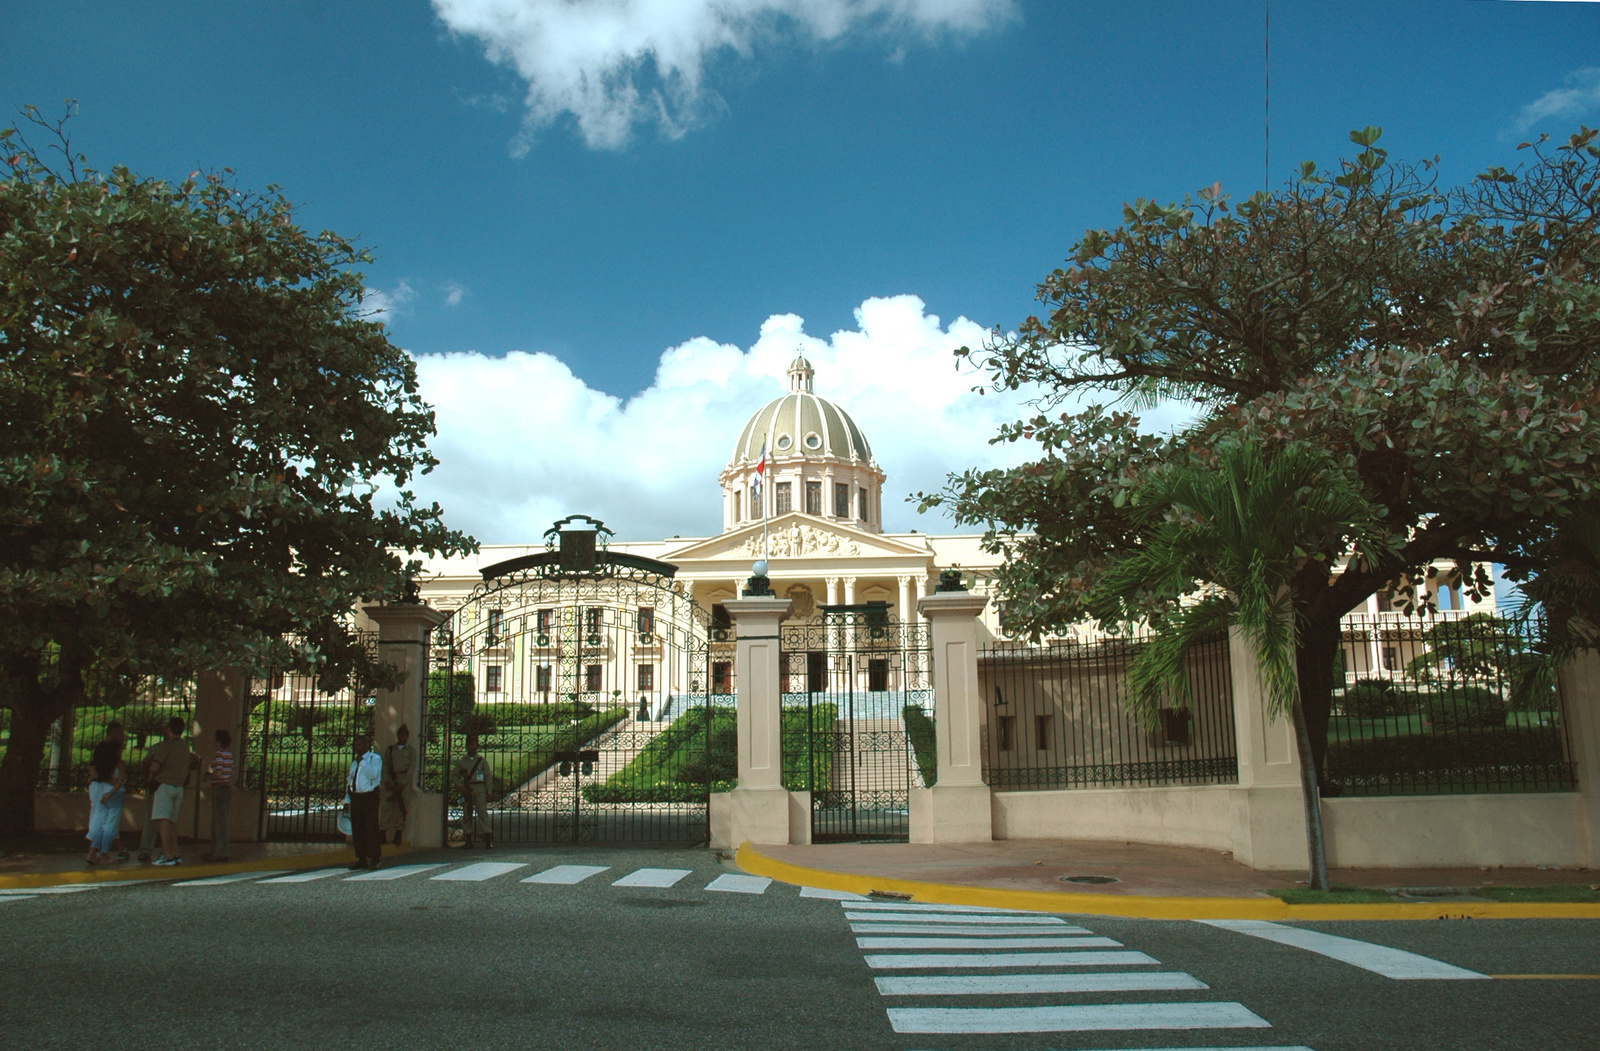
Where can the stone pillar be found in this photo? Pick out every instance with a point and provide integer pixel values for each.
(1269, 827)
(957, 808)
(403, 630)
(833, 590)
(1580, 707)
(849, 591)
(759, 810)
(904, 611)
(221, 704)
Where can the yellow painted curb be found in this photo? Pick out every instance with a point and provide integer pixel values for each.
(289, 862)
(1151, 908)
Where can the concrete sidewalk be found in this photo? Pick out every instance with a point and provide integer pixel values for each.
(1134, 879)
(56, 858)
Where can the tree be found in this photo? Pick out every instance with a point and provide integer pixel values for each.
(195, 420)
(1440, 346)
(1238, 524)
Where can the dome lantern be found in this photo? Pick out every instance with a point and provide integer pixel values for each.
(800, 373)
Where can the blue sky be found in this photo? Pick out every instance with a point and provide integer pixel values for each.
(946, 150)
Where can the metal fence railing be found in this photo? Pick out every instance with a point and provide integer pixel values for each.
(143, 707)
(1444, 705)
(1056, 718)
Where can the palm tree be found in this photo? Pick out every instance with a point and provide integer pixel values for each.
(1223, 541)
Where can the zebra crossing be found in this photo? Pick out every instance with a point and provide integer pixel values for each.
(960, 949)
(484, 871)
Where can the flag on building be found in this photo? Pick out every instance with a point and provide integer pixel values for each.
(761, 471)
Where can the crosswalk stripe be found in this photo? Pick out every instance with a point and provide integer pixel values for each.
(480, 871)
(1020, 984)
(982, 943)
(14, 897)
(307, 877)
(740, 884)
(231, 877)
(652, 878)
(397, 872)
(1252, 1047)
(964, 918)
(1380, 959)
(78, 888)
(1086, 958)
(971, 932)
(566, 875)
(831, 895)
(907, 906)
(1080, 1018)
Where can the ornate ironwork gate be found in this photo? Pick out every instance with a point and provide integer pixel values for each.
(596, 696)
(857, 719)
(302, 741)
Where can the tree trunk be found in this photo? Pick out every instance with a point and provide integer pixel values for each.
(19, 771)
(1319, 641)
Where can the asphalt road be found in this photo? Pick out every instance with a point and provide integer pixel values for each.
(426, 963)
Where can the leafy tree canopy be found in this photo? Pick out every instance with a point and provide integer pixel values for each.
(195, 419)
(1436, 347)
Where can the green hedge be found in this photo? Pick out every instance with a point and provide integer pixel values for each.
(924, 743)
(1438, 753)
(514, 767)
(700, 748)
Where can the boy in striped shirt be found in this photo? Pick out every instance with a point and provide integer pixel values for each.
(221, 778)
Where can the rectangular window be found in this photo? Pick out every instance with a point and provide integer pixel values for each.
(546, 621)
(541, 678)
(865, 517)
(494, 677)
(591, 678)
(817, 671)
(841, 500)
(814, 498)
(1006, 731)
(647, 676)
(1391, 658)
(497, 623)
(721, 676)
(592, 620)
(737, 517)
(720, 617)
(785, 498)
(1041, 731)
(878, 673)
(647, 620)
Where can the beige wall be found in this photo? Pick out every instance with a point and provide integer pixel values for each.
(1511, 829)
(66, 811)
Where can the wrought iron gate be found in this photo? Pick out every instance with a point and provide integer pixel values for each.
(594, 690)
(857, 719)
(302, 741)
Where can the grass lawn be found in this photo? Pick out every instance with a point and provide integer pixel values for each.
(1577, 893)
(1337, 896)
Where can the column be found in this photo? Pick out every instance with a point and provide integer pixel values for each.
(1580, 703)
(957, 808)
(1269, 826)
(904, 611)
(760, 809)
(220, 704)
(849, 591)
(833, 590)
(403, 630)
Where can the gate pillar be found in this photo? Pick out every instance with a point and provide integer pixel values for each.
(403, 630)
(220, 704)
(759, 810)
(957, 808)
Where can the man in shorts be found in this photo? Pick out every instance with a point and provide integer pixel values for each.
(168, 768)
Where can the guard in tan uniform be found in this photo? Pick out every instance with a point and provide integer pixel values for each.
(399, 785)
(473, 773)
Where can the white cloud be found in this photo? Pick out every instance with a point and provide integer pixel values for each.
(381, 305)
(615, 64)
(1580, 95)
(454, 293)
(522, 441)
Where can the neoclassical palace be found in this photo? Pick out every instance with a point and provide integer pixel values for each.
(816, 511)
(823, 533)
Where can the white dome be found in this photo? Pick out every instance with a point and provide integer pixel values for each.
(800, 425)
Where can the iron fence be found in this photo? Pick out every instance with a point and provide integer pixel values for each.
(144, 708)
(1444, 705)
(1056, 718)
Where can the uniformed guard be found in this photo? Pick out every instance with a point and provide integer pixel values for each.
(473, 772)
(399, 787)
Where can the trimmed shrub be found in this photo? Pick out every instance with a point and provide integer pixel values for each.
(1375, 699)
(924, 743)
(1465, 708)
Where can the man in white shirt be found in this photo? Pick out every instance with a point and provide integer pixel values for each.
(362, 783)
